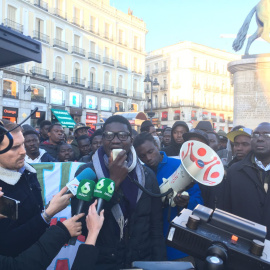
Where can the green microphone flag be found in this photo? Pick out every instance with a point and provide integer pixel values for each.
(104, 189)
(85, 190)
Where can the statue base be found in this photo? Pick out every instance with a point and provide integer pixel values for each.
(251, 80)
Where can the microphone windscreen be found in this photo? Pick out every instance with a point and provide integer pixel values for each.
(104, 189)
(87, 173)
(85, 190)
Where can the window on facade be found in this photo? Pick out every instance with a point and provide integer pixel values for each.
(107, 52)
(93, 47)
(59, 4)
(164, 116)
(105, 104)
(107, 30)
(11, 13)
(107, 78)
(120, 81)
(120, 57)
(75, 99)
(77, 71)
(136, 43)
(91, 102)
(77, 16)
(58, 65)
(156, 100)
(195, 62)
(135, 85)
(39, 26)
(58, 33)
(10, 88)
(134, 107)
(76, 41)
(92, 75)
(38, 93)
(165, 99)
(119, 106)
(57, 97)
(176, 115)
(93, 23)
(121, 36)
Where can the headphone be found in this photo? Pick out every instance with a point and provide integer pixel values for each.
(5, 132)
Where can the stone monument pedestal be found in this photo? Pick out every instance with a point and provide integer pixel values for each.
(251, 80)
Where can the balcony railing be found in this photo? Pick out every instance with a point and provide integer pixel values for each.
(41, 4)
(120, 65)
(121, 91)
(78, 81)
(41, 37)
(13, 25)
(164, 87)
(136, 70)
(137, 95)
(122, 42)
(119, 109)
(107, 88)
(194, 118)
(92, 29)
(59, 103)
(59, 77)
(76, 21)
(37, 71)
(78, 51)
(15, 69)
(59, 13)
(222, 120)
(164, 69)
(108, 36)
(108, 61)
(94, 56)
(155, 71)
(7, 93)
(107, 109)
(93, 86)
(137, 48)
(164, 105)
(176, 104)
(155, 89)
(60, 44)
(147, 91)
(38, 99)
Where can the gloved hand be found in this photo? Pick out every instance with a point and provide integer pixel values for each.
(181, 199)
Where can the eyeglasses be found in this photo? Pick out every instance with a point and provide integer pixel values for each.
(257, 135)
(122, 135)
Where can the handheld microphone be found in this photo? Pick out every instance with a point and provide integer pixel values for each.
(84, 194)
(73, 184)
(104, 190)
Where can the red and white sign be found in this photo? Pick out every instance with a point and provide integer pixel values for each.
(91, 118)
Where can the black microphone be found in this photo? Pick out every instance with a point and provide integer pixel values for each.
(104, 190)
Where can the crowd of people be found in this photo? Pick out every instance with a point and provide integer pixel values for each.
(135, 224)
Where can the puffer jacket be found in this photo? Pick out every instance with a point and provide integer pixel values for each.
(143, 234)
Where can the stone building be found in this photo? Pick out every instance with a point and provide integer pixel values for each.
(93, 59)
(194, 85)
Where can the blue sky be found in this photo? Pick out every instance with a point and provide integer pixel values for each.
(200, 21)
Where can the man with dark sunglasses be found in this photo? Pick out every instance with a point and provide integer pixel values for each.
(133, 227)
(247, 189)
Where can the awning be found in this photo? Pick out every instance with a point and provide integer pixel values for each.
(64, 118)
(15, 48)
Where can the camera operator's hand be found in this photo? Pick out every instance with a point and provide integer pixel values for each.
(58, 202)
(181, 199)
(94, 223)
(118, 168)
(1, 194)
(74, 227)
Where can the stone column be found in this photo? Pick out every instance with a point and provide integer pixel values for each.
(251, 80)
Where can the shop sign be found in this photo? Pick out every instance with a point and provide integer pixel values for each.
(10, 112)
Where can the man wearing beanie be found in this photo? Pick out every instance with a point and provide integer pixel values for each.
(178, 129)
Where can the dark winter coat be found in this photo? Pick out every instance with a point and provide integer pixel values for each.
(40, 255)
(143, 237)
(47, 158)
(17, 236)
(245, 195)
(51, 149)
(87, 158)
(174, 148)
(76, 149)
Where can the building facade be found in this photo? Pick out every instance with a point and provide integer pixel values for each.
(93, 60)
(194, 85)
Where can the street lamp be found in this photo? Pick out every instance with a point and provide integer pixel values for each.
(153, 83)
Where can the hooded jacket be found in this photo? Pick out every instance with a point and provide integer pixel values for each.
(174, 148)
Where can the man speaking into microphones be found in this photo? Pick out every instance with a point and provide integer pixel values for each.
(132, 229)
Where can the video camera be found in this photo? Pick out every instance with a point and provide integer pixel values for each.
(223, 240)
